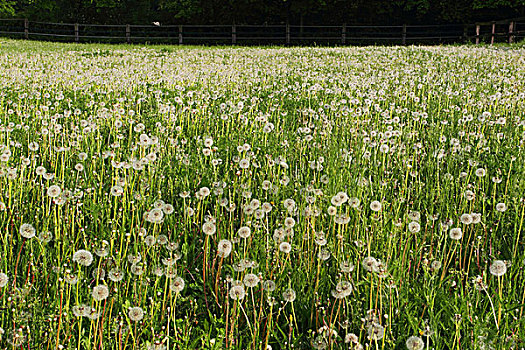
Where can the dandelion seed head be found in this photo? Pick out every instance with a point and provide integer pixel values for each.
(323, 254)
(209, 228)
(150, 240)
(285, 247)
(346, 266)
(435, 265)
(414, 215)
(54, 191)
(269, 285)
(138, 269)
(224, 248)
(244, 163)
(168, 209)
(469, 195)
(45, 237)
(237, 292)
(498, 268)
(501, 207)
(289, 295)
(370, 264)
(155, 215)
(40, 170)
(81, 310)
(115, 275)
(480, 172)
(466, 219)
(414, 227)
(204, 192)
(251, 280)
(27, 231)
(244, 232)
(476, 218)
(456, 233)
(100, 292)
(415, 343)
(289, 222)
(135, 314)
(177, 285)
(375, 331)
(83, 257)
(375, 206)
(351, 338)
(4, 280)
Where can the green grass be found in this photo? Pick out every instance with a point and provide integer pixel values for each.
(161, 152)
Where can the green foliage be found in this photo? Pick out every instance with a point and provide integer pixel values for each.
(183, 9)
(7, 8)
(263, 11)
(493, 4)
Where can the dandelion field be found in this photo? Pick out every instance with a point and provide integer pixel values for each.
(248, 198)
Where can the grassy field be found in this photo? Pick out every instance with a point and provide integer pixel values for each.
(261, 198)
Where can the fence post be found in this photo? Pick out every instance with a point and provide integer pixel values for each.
(180, 34)
(343, 34)
(287, 33)
(511, 30)
(26, 28)
(234, 34)
(465, 31)
(493, 32)
(477, 34)
(404, 35)
(128, 34)
(76, 32)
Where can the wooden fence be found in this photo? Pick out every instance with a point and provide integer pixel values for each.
(487, 32)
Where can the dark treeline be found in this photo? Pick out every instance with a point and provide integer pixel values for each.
(388, 12)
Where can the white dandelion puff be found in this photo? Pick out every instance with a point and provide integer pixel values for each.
(498, 268)
(289, 295)
(224, 248)
(244, 232)
(54, 191)
(414, 227)
(415, 343)
(209, 228)
(375, 206)
(456, 233)
(27, 231)
(177, 285)
(4, 279)
(501, 207)
(237, 292)
(285, 247)
(83, 257)
(135, 314)
(100, 292)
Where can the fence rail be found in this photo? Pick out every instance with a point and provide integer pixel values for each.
(486, 32)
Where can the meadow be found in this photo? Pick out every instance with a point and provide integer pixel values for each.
(261, 198)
